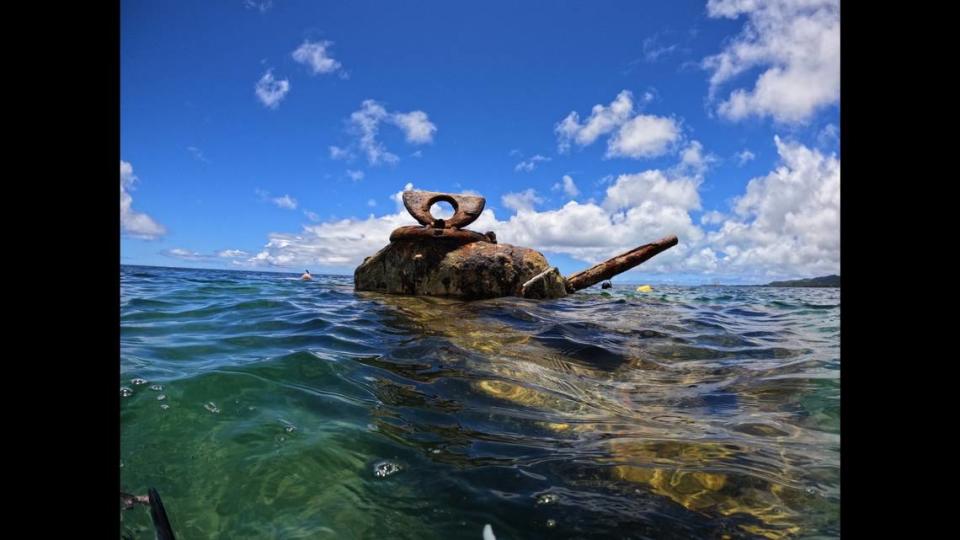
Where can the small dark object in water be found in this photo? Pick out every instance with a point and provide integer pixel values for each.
(441, 258)
(606, 285)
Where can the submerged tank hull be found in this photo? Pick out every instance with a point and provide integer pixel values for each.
(470, 271)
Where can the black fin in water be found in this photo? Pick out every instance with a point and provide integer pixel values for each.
(159, 516)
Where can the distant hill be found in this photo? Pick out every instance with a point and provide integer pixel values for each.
(822, 281)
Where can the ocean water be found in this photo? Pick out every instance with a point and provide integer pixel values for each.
(261, 406)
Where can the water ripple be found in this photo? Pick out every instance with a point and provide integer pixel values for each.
(690, 411)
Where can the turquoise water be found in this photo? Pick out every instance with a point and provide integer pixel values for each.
(261, 406)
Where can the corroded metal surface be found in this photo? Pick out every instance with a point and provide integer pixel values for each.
(547, 284)
(619, 264)
(466, 208)
(468, 271)
(456, 236)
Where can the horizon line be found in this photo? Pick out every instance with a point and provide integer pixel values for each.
(703, 284)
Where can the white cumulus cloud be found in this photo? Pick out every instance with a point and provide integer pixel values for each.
(830, 134)
(785, 223)
(522, 201)
(316, 56)
(713, 217)
(340, 153)
(602, 120)
(788, 219)
(530, 164)
(744, 156)
(339, 243)
(184, 254)
(133, 223)
(796, 44)
(693, 161)
(271, 91)
(567, 185)
(365, 125)
(634, 136)
(416, 126)
(644, 136)
(285, 201)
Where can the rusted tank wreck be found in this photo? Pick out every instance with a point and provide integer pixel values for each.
(442, 258)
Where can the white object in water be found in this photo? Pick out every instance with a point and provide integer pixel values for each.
(488, 532)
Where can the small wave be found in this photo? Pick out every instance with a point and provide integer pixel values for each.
(688, 413)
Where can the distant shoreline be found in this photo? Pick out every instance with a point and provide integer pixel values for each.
(831, 281)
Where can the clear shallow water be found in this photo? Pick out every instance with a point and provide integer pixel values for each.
(261, 406)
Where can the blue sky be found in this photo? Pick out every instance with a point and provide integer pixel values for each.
(590, 128)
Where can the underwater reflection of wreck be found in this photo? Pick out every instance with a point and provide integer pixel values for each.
(654, 438)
